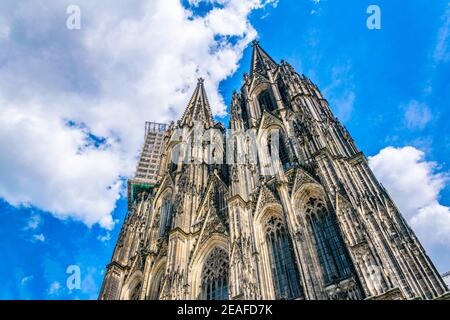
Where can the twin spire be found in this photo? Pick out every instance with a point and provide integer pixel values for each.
(198, 108)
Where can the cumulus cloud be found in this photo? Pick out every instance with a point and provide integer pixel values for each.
(415, 185)
(73, 102)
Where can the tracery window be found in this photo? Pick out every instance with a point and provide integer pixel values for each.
(215, 275)
(265, 101)
(329, 244)
(284, 268)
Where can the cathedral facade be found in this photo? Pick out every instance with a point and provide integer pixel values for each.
(280, 205)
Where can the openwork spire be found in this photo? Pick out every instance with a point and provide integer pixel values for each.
(261, 61)
(198, 108)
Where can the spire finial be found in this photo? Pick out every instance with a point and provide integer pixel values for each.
(261, 61)
(198, 108)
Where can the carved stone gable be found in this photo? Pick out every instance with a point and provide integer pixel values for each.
(267, 194)
(301, 178)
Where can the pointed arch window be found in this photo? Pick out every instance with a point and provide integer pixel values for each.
(135, 293)
(284, 268)
(245, 116)
(265, 101)
(283, 91)
(330, 247)
(172, 167)
(215, 275)
(157, 285)
(283, 152)
(165, 217)
(219, 200)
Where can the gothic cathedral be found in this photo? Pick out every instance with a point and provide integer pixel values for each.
(312, 224)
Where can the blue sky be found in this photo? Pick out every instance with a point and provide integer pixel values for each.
(390, 88)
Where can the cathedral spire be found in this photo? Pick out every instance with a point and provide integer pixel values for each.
(198, 108)
(260, 59)
(228, 206)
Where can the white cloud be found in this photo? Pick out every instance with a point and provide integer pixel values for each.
(25, 280)
(417, 115)
(441, 51)
(433, 221)
(34, 222)
(39, 237)
(104, 238)
(415, 185)
(129, 63)
(54, 288)
(317, 8)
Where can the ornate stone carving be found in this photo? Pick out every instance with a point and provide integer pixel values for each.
(335, 252)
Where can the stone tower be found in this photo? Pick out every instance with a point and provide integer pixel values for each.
(282, 205)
